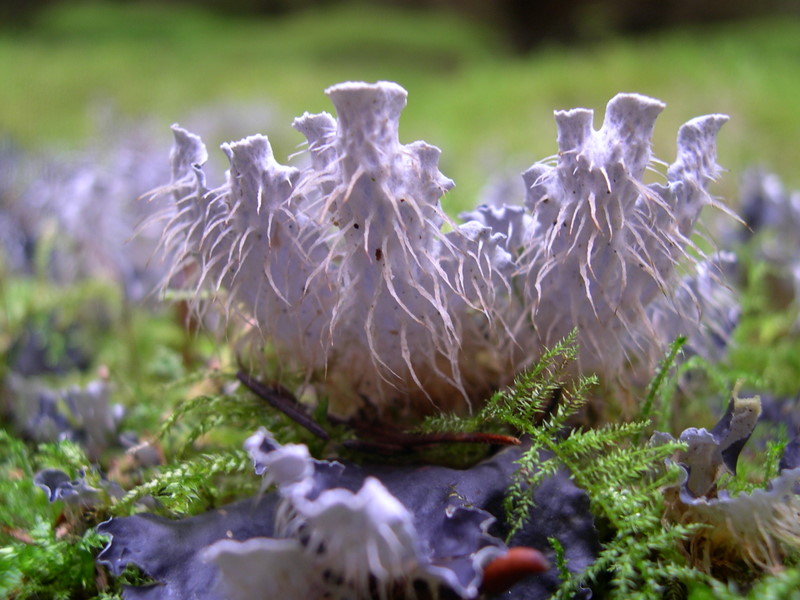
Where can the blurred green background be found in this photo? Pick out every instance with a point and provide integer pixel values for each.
(482, 82)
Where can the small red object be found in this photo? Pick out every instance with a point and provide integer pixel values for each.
(504, 571)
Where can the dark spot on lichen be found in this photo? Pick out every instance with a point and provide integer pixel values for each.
(378, 254)
(356, 225)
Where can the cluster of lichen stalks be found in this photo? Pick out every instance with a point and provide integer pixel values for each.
(344, 267)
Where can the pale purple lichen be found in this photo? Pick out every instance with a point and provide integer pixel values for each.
(335, 542)
(759, 527)
(603, 245)
(82, 414)
(259, 547)
(771, 213)
(704, 309)
(351, 269)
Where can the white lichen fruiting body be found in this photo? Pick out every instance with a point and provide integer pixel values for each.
(343, 264)
(603, 245)
(362, 535)
(244, 240)
(403, 285)
(346, 545)
(264, 568)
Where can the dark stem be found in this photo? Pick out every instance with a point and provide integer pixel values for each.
(283, 400)
(379, 439)
(390, 441)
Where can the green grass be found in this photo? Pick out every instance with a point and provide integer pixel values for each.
(488, 111)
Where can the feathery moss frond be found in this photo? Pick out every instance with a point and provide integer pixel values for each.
(622, 477)
(180, 488)
(656, 384)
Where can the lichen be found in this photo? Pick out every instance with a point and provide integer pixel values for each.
(759, 528)
(343, 530)
(352, 270)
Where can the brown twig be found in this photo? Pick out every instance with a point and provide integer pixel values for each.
(282, 399)
(374, 438)
(391, 441)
